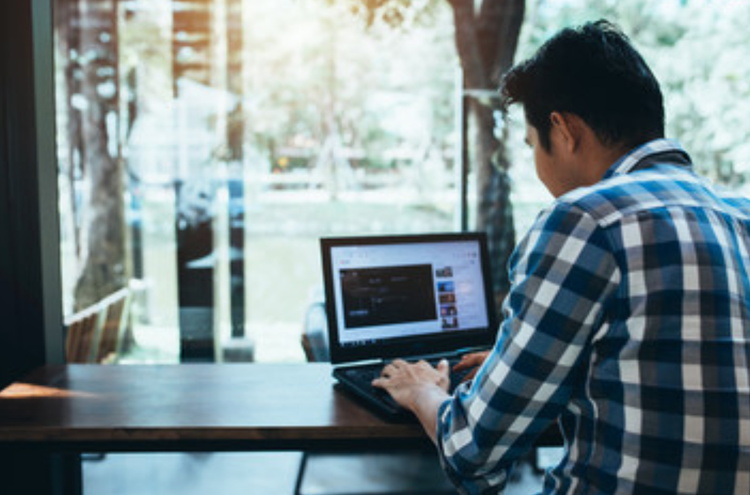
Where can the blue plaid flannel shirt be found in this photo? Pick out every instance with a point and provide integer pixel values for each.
(628, 322)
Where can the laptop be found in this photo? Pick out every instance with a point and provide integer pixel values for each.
(413, 297)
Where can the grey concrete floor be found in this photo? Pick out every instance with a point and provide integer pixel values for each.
(272, 474)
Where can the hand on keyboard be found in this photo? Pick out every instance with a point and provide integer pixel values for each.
(402, 379)
(470, 363)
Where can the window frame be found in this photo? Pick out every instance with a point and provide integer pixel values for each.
(31, 309)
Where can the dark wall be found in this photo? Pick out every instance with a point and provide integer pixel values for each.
(22, 320)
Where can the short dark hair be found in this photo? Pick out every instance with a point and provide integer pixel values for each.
(594, 72)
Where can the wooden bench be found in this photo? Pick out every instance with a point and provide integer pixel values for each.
(94, 335)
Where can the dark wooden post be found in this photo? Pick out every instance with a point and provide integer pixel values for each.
(191, 59)
(235, 140)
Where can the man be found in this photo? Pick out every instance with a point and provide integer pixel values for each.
(628, 319)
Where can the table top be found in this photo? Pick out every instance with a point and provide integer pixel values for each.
(191, 407)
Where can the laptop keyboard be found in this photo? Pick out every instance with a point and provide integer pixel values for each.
(361, 378)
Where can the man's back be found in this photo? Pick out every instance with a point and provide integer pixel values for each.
(667, 398)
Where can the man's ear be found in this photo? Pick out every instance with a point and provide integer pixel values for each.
(567, 129)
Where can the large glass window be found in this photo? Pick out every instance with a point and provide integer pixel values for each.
(206, 145)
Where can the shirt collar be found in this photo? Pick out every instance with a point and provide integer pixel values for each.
(656, 151)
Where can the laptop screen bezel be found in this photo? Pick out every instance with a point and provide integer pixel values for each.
(407, 346)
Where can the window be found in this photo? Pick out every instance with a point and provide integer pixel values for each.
(206, 145)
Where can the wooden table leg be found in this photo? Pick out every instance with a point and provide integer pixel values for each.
(25, 472)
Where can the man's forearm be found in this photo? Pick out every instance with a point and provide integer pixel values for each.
(426, 404)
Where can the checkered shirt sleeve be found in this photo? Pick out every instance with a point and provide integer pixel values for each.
(561, 274)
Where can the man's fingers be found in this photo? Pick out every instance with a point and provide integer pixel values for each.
(461, 365)
(471, 360)
(379, 382)
(443, 366)
(470, 375)
(467, 361)
(389, 369)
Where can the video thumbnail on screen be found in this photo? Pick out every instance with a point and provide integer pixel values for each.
(382, 296)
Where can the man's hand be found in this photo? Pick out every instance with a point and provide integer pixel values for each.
(406, 382)
(473, 360)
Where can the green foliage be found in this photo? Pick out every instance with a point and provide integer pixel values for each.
(399, 14)
(697, 50)
(707, 79)
(325, 71)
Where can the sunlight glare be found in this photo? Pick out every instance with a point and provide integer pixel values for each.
(31, 391)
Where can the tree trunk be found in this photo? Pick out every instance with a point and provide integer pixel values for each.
(103, 269)
(486, 42)
(66, 16)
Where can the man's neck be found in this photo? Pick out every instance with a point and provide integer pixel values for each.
(597, 159)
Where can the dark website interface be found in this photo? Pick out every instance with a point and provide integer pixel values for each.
(392, 291)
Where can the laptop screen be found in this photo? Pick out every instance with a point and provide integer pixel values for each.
(403, 296)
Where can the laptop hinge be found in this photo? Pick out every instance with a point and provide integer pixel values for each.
(428, 357)
(364, 362)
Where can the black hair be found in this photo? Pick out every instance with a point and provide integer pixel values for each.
(594, 72)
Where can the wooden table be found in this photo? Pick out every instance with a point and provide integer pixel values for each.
(57, 412)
